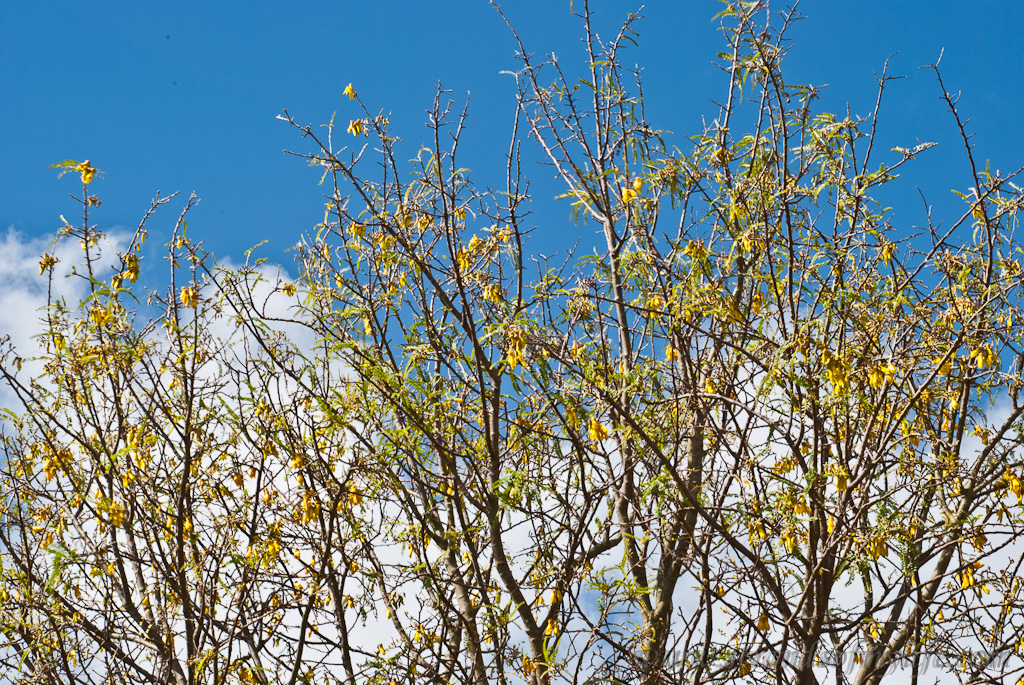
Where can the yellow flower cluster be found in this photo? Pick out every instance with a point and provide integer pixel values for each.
(786, 464)
(967, 580)
(790, 540)
(1012, 481)
(757, 531)
(877, 546)
(131, 266)
(631, 193)
(516, 340)
(466, 256)
(492, 293)
(115, 512)
(983, 357)
(879, 375)
(797, 504)
(596, 430)
(310, 507)
(100, 315)
(87, 171)
(56, 460)
(188, 296)
(841, 474)
(46, 263)
(695, 250)
(835, 371)
(886, 252)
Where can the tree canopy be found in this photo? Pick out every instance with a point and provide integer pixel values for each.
(768, 432)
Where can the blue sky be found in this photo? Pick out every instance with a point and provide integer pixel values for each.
(183, 95)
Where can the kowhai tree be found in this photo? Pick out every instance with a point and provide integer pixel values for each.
(766, 432)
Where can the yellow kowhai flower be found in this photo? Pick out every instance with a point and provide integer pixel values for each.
(404, 218)
(350, 92)
(695, 250)
(384, 244)
(886, 252)
(762, 623)
(131, 267)
(671, 354)
(876, 377)
(571, 418)
(631, 193)
(800, 506)
(984, 356)
(516, 339)
(1015, 485)
(552, 627)
(835, 371)
(878, 546)
(747, 242)
(188, 296)
(87, 171)
(46, 263)
(116, 514)
(310, 507)
(967, 578)
(789, 540)
(492, 293)
(785, 465)
(596, 430)
(100, 315)
(358, 230)
(355, 127)
(982, 433)
(841, 475)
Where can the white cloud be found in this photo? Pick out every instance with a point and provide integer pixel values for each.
(24, 293)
